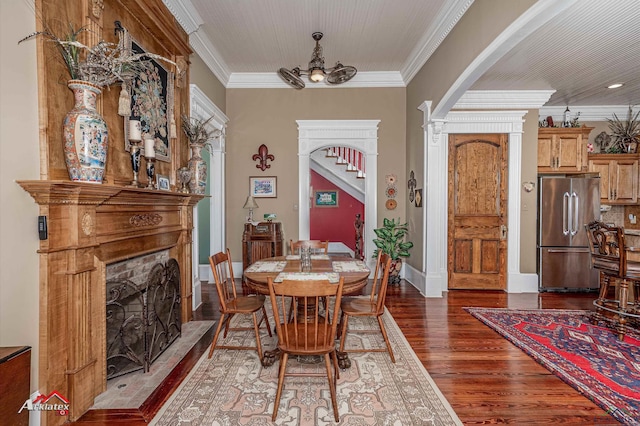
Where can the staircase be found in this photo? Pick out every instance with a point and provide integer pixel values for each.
(344, 167)
(351, 158)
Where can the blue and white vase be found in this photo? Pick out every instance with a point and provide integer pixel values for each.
(86, 135)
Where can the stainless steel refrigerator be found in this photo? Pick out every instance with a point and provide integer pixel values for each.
(565, 205)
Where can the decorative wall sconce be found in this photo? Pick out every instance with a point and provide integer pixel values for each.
(263, 155)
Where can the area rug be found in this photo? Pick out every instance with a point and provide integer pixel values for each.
(233, 388)
(588, 357)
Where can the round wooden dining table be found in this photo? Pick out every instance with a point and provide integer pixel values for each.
(355, 274)
(354, 281)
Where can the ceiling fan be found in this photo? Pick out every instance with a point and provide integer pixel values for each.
(317, 72)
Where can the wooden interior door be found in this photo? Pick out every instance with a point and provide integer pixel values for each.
(477, 213)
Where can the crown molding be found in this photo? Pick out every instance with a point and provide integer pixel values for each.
(210, 56)
(503, 99)
(185, 14)
(447, 18)
(588, 112)
(271, 80)
(191, 21)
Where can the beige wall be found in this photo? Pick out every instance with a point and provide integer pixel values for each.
(483, 21)
(268, 116)
(19, 159)
(202, 76)
(529, 200)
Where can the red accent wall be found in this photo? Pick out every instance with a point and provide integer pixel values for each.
(334, 224)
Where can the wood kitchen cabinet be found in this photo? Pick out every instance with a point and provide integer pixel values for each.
(563, 149)
(618, 177)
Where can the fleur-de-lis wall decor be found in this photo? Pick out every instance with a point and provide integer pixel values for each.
(262, 156)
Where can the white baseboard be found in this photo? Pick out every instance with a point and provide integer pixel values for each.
(237, 269)
(428, 286)
(435, 285)
(196, 300)
(204, 273)
(34, 416)
(522, 283)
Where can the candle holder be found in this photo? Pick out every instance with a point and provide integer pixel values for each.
(151, 171)
(135, 162)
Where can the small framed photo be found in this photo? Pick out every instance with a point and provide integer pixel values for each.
(263, 186)
(325, 198)
(163, 182)
(418, 197)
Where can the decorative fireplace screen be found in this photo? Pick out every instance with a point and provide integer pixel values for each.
(142, 320)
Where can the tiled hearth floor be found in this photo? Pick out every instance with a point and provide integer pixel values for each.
(131, 390)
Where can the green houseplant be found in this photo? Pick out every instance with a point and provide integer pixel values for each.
(391, 241)
(625, 135)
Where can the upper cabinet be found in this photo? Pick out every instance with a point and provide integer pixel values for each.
(563, 149)
(618, 177)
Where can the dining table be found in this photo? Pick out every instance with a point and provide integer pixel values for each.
(323, 266)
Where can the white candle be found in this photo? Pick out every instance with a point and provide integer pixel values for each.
(135, 132)
(149, 148)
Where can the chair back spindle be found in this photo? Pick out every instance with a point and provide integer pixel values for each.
(315, 246)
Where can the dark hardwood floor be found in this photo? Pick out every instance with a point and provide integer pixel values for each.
(486, 379)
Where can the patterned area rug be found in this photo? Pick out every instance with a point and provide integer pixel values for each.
(588, 357)
(233, 388)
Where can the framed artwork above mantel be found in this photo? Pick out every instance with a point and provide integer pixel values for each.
(152, 98)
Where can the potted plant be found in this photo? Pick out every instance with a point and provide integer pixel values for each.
(625, 135)
(91, 69)
(199, 135)
(391, 241)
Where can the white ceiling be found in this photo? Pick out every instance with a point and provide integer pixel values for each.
(577, 54)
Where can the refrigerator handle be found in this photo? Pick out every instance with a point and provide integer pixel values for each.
(565, 205)
(574, 225)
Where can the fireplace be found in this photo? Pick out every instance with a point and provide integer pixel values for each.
(92, 227)
(142, 311)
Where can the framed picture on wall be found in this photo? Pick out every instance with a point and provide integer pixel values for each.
(325, 198)
(263, 186)
(418, 197)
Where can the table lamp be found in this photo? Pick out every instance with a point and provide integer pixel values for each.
(250, 204)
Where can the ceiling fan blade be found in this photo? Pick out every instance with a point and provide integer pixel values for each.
(291, 77)
(341, 74)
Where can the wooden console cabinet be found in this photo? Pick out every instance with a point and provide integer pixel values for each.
(260, 241)
(15, 376)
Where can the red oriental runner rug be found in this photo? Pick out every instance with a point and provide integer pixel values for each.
(586, 356)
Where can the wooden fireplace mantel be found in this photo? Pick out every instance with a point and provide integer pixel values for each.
(90, 226)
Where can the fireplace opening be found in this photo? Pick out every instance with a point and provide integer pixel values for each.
(142, 311)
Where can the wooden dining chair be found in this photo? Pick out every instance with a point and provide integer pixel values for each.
(372, 306)
(316, 246)
(310, 331)
(232, 304)
(609, 257)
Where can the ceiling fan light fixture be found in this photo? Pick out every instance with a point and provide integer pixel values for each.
(316, 71)
(317, 75)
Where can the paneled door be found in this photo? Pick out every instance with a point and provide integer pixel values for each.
(477, 213)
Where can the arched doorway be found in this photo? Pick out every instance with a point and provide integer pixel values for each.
(338, 178)
(358, 134)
